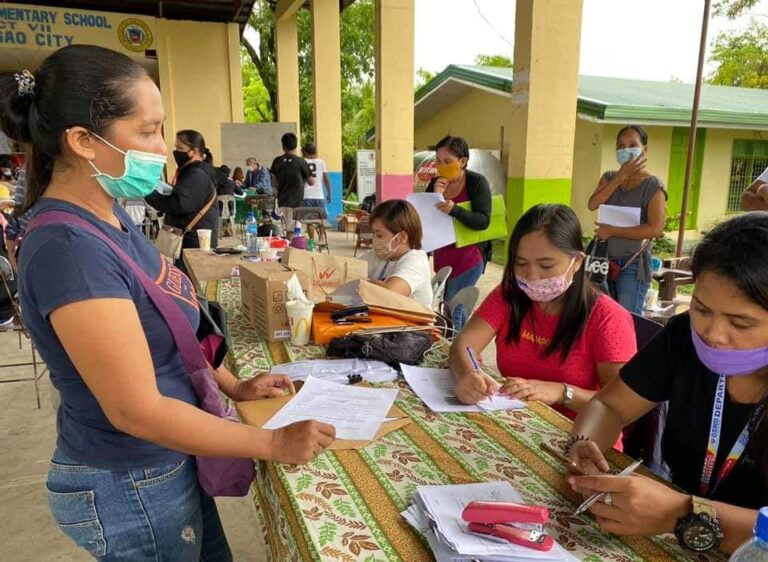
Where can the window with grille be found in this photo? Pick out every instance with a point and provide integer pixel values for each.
(748, 161)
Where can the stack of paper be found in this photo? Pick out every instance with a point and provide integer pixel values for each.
(436, 513)
(356, 412)
(337, 370)
(437, 389)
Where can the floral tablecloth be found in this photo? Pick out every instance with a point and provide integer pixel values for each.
(345, 505)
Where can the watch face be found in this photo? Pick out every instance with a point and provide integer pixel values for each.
(700, 536)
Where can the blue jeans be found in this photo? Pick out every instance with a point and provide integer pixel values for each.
(455, 284)
(157, 514)
(628, 290)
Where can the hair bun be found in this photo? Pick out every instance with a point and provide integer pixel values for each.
(14, 109)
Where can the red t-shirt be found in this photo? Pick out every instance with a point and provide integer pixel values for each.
(608, 337)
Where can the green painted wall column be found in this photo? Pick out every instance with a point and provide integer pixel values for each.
(544, 92)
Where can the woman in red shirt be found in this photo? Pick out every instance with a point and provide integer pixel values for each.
(558, 340)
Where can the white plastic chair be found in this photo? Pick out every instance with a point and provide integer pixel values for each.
(467, 298)
(438, 286)
(226, 214)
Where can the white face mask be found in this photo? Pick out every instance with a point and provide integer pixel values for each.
(384, 248)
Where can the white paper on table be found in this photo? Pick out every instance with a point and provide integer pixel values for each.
(444, 505)
(356, 412)
(618, 216)
(337, 370)
(437, 226)
(437, 389)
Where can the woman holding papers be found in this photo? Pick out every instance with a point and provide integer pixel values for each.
(711, 365)
(457, 184)
(558, 339)
(123, 480)
(629, 247)
(397, 261)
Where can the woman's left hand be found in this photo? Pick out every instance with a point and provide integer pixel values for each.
(264, 385)
(637, 505)
(530, 390)
(604, 231)
(445, 206)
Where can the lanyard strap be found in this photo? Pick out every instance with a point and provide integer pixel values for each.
(715, 429)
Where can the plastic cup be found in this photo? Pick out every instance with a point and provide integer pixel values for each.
(300, 320)
(651, 299)
(204, 237)
(270, 254)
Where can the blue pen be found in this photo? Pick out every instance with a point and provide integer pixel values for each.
(473, 360)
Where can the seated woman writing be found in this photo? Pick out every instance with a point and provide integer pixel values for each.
(557, 338)
(711, 364)
(397, 261)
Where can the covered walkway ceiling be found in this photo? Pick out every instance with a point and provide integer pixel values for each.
(221, 11)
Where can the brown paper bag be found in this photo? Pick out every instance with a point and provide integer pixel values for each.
(325, 272)
(382, 301)
(258, 412)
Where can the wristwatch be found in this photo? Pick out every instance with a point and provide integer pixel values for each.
(567, 394)
(700, 530)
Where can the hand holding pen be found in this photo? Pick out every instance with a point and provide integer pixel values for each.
(473, 387)
(602, 496)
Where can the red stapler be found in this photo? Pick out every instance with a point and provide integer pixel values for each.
(498, 519)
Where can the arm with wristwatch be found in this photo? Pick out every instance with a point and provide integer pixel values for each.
(637, 505)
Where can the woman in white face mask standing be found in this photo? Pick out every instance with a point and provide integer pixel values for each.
(397, 261)
(629, 248)
(558, 340)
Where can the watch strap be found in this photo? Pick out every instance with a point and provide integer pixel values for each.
(703, 506)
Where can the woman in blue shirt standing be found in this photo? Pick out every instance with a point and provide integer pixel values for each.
(122, 482)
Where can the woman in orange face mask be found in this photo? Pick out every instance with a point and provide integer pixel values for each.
(457, 184)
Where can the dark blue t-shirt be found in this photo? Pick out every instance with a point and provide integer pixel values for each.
(62, 264)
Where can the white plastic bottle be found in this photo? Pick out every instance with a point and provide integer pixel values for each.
(756, 548)
(251, 233)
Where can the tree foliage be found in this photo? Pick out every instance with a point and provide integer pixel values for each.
(502, 61)
(357, 38)
(733, 8)
(741, 57)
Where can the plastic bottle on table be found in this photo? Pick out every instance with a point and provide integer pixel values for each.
(297, 228)
(756, 548)
(251, 233)
(311, 245)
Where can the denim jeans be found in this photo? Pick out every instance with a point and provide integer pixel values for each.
(455, 284)
(157, 514)
(628, 290)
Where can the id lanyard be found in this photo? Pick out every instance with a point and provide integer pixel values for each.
(737, 450)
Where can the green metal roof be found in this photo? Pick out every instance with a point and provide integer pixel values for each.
(622, 100)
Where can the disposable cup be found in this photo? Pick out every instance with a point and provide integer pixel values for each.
(300, 320)
(204, 237)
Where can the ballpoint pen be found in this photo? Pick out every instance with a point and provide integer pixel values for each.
(472, 359)
(597, 496)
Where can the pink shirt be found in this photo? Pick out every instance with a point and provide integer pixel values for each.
(608, 337)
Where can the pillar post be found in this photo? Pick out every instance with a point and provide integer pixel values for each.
(287, 63)
(326, 75)
(544, 92)
(394, 98)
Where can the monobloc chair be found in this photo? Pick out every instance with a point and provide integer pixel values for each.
(466, 297)
(438, 287)
(16, 325)
(314, 218)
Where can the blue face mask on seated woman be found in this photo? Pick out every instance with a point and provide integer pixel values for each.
(729, 362)
(142, 174)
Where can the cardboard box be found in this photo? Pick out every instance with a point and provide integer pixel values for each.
(347, 223)
(326, 272)
(264, 292)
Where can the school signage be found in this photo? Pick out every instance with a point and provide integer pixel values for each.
(40, 27)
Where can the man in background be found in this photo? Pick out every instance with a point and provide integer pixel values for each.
(313, 194)
(257, 177)
(289, 174)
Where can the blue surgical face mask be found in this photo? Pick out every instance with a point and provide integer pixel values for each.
(624, 154)
(142, 173)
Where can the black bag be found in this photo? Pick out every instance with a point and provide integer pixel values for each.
(369, 202)
(392, 348)
(213, 331)
(597, 264)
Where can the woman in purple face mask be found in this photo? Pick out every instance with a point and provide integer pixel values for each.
(558, 340)
(711, 366)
